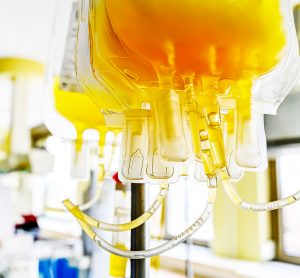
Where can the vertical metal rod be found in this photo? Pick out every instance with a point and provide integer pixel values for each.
(139, 268)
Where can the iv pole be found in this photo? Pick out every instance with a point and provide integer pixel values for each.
(139, 268)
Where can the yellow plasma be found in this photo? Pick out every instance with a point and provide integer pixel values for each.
(222, 38)
(80, 111)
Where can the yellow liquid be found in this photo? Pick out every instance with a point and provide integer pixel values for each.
(118, 264)
(155, 262)
(78, 109)
(147, 50)
(108, 57)
(221, 38)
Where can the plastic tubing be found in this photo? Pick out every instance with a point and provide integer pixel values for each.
(236, 199)
(82, 207)
(161, 248)
(93, 222)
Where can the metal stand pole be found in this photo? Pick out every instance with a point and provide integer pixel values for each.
(139, 268)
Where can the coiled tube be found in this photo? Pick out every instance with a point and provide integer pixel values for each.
(84, 218)
(235, 197)
(161, 248)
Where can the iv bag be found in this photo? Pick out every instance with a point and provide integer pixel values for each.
(177, 73)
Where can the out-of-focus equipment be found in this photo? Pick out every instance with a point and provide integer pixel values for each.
(21, 80)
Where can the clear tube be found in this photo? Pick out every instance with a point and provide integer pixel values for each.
(216, 137)
(84, 218)
(235, 197)
(229, 133)
(163, 247)
(156, 170)
(135, 146)
(168, 114)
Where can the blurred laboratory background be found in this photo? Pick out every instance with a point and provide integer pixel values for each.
(49, 152)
